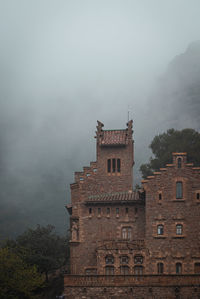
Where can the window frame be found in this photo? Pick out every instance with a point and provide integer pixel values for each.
(160, 229)
(138, 270)
(178, 268)
(179, 229)
(179, 190)
(109, 270)
(160, 268)
(126, 232)
(124, 270)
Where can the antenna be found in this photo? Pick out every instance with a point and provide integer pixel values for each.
(129, 108)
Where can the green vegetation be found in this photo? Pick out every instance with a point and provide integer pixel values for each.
(163, 145)
(18, 279)
(28, 260)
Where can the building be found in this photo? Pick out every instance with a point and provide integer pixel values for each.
(133, 244)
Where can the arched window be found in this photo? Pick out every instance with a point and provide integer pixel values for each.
(126, 233)
(179, 190)
(124, 270)
(138, 270)
(109, 259)
(160, 229)
(113, 165)
(160, 268)
(109, 270)
(179, 163)
(179, 229)
(118, 165)
(178, 268)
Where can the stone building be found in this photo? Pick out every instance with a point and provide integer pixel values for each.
(133, 244)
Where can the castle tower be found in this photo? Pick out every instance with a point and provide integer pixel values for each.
(104, 207)
(115, 158)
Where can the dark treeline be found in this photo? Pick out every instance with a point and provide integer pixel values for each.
(29, 263)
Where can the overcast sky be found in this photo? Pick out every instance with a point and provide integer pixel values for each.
(64, 64)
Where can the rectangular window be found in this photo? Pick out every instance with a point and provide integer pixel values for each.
(117, 211)
(126, 210)
(178, 268)
(198, 195)
(138, 270)
(108, 211)
(160, 268)
(90, 210)
(109, 165)
(113, 165)
(160, 196)
(118, 165)
(179, 190)
(109, 270)
(179, 229)
(99, 211)
(160, 229)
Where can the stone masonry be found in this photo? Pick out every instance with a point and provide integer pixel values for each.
(133, 244)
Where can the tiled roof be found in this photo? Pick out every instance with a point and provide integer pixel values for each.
(114, 197)
(113, 137)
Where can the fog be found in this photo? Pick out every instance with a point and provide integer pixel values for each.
(65, 64)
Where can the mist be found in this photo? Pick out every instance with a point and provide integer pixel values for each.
(65, 64)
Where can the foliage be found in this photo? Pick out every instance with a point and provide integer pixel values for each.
(44, 248)
(163, 145)
(18, 279)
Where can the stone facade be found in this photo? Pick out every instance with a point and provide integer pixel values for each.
(129, 244)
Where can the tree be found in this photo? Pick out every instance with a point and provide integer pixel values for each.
(44, 248)
(18, 279)
(163, 145)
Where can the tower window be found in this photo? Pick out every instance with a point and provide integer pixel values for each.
(113, 165)
(179, 190)
(179, 229)
(126, 210)
(118, 165)
(90, 211)
(109, 165)
(178, 268)
(117, 211)
(160, 196)
(198, 195)
(108, 211)
(99, 211)
(160, 229)
(160, 268)
(179, 163)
